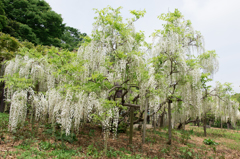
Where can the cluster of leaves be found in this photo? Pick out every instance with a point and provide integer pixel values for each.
(10, 45)
(237, 97)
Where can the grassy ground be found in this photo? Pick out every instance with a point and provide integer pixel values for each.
(43, 143)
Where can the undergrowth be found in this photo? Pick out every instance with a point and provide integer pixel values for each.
(47, 143)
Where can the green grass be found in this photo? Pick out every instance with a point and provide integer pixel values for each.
(218, 134)
(26, 150)
(234, 146)
(40, 146)
(46, 150)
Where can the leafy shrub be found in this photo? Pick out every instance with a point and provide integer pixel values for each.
(209, 142)
(122, 128)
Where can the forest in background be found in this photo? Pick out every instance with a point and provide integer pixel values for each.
(35, 21)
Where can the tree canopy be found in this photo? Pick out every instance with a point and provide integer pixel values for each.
(3, 18)
(71, 38)
(237, 97)
(36, 22)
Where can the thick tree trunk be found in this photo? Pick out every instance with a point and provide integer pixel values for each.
(131, 125)
(169, 124)
(155, 124)
(145, 121)
(2, 85)
(220, 111)
(204, 125)
(161, 120)
(2, 104)
(179, 126)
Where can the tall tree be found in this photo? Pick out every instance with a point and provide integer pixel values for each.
(71, 38)
(3, 18)
(174, 62)
(33, 20)
(236, 96)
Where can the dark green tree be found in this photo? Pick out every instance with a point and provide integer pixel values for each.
(71, 38)
(3, 18)
(33, 20)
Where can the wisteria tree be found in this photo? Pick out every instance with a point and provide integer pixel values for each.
(85, 86)
(176, 69)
